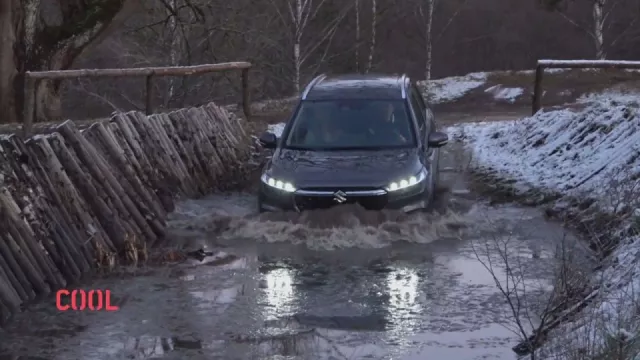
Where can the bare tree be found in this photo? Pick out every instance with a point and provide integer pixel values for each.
(39, 35)
(426, 9)
(442, 38)
(175, 48)
(534, 308)
(299, 15)
(428, 16)
(358, 35)
(601, 14)
(372, 42)
(598, 28)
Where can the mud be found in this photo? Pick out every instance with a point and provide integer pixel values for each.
(341, 284)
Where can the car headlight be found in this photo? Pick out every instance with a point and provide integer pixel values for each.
(278, 184)
(407, 182)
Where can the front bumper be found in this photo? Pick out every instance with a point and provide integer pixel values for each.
(410, 199)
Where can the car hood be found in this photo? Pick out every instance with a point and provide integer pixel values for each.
(343, 168)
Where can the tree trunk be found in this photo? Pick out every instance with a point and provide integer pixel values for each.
(8, 68)
(598, 28)
(429, 40)
(298, 65)
(374, 25)
(297, 58)
(358, 35)
(28, 44)
(48, 101)
(176, 51)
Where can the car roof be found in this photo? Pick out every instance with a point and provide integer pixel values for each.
(356, 86)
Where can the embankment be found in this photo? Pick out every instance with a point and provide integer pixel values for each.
(74, 199)
(585, 165)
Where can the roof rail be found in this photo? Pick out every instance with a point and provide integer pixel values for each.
(313, 82)
(403, 81)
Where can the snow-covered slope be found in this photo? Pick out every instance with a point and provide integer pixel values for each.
(562, 150)
(581, 153)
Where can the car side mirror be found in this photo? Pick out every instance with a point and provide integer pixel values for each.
(268, 140)
(437, 139)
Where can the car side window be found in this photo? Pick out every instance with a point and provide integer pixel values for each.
(430, 120)
(427, 111)
(420, 112)
(416, 92)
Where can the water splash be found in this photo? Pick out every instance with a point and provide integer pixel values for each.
(348, 226)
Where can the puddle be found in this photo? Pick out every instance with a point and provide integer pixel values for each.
(348, 284)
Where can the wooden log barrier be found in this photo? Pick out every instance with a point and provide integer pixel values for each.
(74, 199)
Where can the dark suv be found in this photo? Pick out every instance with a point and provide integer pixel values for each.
(365, 139)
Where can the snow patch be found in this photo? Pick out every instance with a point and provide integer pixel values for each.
(503, 93)
(617, 95)
(620, 63)
(276, 129)
(452, 88)
(531, 72)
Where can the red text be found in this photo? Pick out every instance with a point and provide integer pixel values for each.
(80, 300)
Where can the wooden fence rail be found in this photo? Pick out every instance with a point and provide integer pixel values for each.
(572, 64)
(72, 200)
(32, 78)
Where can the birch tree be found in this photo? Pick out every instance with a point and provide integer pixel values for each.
(177, 30)
(428, 16)
(298, 14)
(175, 46)
(35, 39)
(358, 35)
(425, 12)
(601, 14)
(372, 42)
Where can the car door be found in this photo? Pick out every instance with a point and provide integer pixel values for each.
(424, 124)
(433, 154)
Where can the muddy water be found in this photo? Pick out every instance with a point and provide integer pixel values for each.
(344, 284)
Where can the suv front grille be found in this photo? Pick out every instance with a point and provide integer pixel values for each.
(311, 202)
(334, 189)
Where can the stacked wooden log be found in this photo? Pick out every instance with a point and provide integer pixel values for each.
(73, 200)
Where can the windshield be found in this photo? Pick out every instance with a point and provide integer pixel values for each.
(351, 124)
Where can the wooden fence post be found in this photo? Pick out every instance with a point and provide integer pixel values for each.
(537, 90)
(31, 79)
(246, 100)
(28, 111)
(149, 91)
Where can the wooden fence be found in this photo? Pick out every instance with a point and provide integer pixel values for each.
(572, 64)
(73, 200)
(32, 79)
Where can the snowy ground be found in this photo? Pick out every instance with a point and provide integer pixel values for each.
(561, 150)
(618, 95)
(592, 152)
(276, 129)
(451, 88)
(505, 93)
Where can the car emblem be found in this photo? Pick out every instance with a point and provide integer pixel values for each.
(339, 197)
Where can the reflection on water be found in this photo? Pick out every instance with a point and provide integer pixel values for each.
(279, 291)
(404, 305)
(141, 347)
(148, 347)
